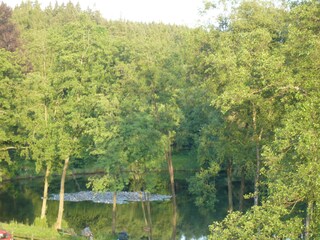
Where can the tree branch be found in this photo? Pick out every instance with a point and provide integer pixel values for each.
(7, 148)
(10, 148)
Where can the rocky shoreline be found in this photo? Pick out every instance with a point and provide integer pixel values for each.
(107, 197)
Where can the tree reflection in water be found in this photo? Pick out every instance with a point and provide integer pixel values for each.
(21, 201)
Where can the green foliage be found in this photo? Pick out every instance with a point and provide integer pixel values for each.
(267, 69)
(202, 185)
(261, 222)
(146, 81)
(9, 35)
(38, 222)
(10, 88)
(119, 95)
(106, 182)
(184, 161)
(40, 232)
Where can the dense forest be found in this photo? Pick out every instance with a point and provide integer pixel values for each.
(238, 99)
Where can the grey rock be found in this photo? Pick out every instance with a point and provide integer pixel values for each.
(107, 197)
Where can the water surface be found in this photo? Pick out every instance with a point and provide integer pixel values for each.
(21, 201)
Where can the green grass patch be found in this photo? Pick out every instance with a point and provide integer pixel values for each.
(20, 231)
(185, 161)
(23, 231)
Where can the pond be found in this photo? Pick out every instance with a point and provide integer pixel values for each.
(21, 201)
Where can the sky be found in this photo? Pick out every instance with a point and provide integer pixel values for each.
(180, 12)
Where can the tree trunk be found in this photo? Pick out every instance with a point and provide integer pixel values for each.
(149, 214)
(257, 139)
(114, 213)
(174, 204)
(229, 180)
(242, 188)
(309, 220)
(46, 182)
(45, 194)
(174, 218)
(257, 177)
(76, 182)
(61, 200)
(146, 228)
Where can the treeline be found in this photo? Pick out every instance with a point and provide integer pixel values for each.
(242, 96)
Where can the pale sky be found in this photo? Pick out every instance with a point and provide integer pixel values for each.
(181, 12)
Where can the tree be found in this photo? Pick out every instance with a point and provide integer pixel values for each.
(11, 76)
(9, 35)
(149, 113)
(72, 79)
(11, 137)
(291, 148)
(241, 75)
(295, 149)
(38, 107)
(60, 102)
(260, 222)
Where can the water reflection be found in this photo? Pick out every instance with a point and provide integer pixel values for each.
(21, 201)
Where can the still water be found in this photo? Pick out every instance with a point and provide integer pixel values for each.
(21, 201)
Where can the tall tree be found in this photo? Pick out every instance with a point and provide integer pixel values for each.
(290, 155)
(39, 105)
(10, 88)
(9, 34)
(296, 146)
(243, 71)
(11, 77)
(70, 94)
(50, 105)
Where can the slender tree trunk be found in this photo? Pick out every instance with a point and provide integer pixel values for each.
(149, 214)
(242, 188)
(174, 218)
(76, 182)
(257, 177)
(144, 215)
(310, 209)
(114, 213)
(257, 139)
(174, 204)
(61, 200)
(46, 181)
(45, 194)
(229, 180)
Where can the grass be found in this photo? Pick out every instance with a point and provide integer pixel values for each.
(23, 231)
(185, 161)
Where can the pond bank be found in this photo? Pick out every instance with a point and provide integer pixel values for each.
(80, 173)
